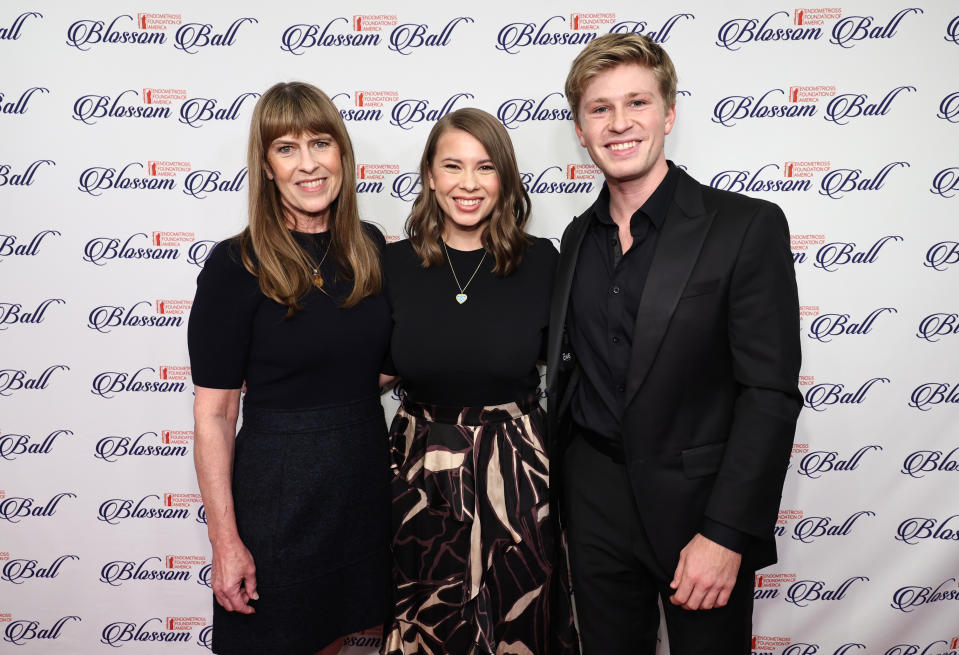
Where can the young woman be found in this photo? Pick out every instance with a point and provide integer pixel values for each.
(298, 503)
(476, 557)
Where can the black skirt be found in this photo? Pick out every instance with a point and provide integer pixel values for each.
(312, 502)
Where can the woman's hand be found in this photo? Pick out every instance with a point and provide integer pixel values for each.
(233, 577)
(233, 574)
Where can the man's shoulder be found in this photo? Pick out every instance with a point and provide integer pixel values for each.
(738, 214)
(730, 201)
(586, 212)
(579, 220)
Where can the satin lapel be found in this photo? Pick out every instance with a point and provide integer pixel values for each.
(559, 303)
(684, 231)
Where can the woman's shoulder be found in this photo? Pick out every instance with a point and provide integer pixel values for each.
(375, 232)
(225, 262)
(542, 251)
(226, 254)
(400, 249)
(538, 266)
(400, 260)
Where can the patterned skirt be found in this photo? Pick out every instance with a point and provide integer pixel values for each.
(477, 564)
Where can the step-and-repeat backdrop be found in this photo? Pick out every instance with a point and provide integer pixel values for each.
(124, 128)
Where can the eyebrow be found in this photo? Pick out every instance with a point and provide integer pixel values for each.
(627, 96)
(315, 137)
(460, 161)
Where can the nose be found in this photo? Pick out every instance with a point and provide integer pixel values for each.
(468, 180)
(617, 120)
(307, 160)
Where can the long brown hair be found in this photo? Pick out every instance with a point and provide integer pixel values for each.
(268, 250)
(504, 236)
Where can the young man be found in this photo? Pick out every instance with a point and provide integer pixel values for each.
(672, 374)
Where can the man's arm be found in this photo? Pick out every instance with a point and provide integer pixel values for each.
(764, 342)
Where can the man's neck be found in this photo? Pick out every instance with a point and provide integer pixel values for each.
(628, 196)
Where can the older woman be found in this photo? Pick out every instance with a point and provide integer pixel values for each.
(298, 503)
(476, 557)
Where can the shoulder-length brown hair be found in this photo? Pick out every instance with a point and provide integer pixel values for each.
(268, 250)
(504, 236)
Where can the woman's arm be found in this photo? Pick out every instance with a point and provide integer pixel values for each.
(233, 575)
(386, 380)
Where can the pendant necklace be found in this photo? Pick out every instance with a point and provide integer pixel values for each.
(317, 276)
(461, 296)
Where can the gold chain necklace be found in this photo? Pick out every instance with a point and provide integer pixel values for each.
(461, 296)
(317, 276)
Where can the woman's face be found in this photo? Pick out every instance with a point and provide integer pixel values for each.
(307, 171)
(464, 180)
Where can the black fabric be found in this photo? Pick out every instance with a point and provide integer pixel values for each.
(604, 299)
(322, 354)
(712, 392)
(481, 352)
(618, 579)
(311, 489)
(601, 325)
(610, 448)
(311, 466)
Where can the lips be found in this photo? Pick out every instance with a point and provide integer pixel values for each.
(468, 204)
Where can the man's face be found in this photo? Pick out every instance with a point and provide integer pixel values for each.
(623, 122)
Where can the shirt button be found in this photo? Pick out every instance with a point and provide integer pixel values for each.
(621, 387)
(615, 289)
(615, 339)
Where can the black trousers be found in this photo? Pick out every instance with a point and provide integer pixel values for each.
(617, 579)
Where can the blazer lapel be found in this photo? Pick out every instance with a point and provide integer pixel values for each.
(684, 231)
(559, 302)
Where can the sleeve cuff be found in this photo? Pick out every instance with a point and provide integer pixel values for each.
(725, 536)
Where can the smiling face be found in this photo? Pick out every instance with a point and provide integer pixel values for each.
(307, 171)
(623, 121)
(466, 185)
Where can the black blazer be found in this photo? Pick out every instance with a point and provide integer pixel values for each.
(712, 392)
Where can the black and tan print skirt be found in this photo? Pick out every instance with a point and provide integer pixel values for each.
(477, 565)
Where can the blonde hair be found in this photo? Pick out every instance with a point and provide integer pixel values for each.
(504, 236)
(611, 50)
(268, 250)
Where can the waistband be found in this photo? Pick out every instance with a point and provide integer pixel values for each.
(472, 415)
(605, 445)
(311, 418)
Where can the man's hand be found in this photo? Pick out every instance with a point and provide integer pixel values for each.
(233, 578)
(705, 575)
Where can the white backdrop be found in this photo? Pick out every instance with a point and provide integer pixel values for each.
(122, 161)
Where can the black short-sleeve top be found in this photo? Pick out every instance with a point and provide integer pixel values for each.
(481, 352)
(324, 354)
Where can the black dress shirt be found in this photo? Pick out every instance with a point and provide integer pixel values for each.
(604, 300)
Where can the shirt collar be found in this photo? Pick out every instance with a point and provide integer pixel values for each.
(655, 207)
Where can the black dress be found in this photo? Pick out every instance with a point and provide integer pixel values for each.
(477, 566)
(311, 470)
